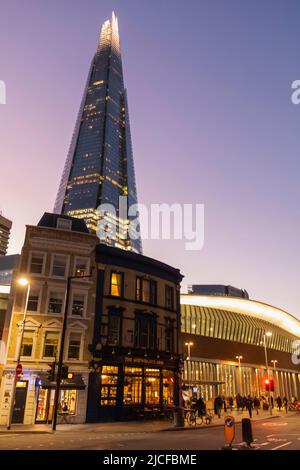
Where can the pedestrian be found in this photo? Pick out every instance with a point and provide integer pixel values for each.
(218, 403)
(230, 403)
(279, 403)
(249, 404)
(285, 403)
(238, 400)
(244, 401)
(201, 407)
(256, 404)
(224, 404)
(272, 401)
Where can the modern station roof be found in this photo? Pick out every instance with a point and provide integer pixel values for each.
(252, 308)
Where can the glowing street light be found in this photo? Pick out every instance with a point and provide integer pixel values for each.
(189, 344)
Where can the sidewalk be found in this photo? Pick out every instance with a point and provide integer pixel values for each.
(137, 426)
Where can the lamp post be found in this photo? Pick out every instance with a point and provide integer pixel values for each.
(23, 282)
(268, 334)
(240, 372)
(274, 362)
(62, 347)
(189, 344)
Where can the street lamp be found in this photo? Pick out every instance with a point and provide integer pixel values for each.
(240, 373)
(189, 344)
(268, 334)
(22, 282)
(274, 362)
(62, 346)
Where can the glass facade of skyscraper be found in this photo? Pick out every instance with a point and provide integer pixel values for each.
(99, 167)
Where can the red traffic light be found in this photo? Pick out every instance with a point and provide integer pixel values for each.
(269, 385)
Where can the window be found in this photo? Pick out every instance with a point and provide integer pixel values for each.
(132, 386)
(81, 267)
(51, 344)
(145, 331)
(78, 305)
(64, 224)
(168, 387)
(152, 389)
(56, 301)
(27, 343)
(146, 290)
(114, 324)
(169, 335)
(74, 346)
(37, 263)
(109, 383)
(33, 300)
(169, 297)
(68, 401)
(59, 265)
(116, 284)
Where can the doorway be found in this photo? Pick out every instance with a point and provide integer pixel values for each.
(20, 402)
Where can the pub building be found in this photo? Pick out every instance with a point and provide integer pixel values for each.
(136, 360)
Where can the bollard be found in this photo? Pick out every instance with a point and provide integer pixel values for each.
(247, 431)
(178, 418)
(229, 432)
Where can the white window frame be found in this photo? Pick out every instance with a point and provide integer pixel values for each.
(88, 264)
(39, 289)
(82, 335)
(79, 292)
(52, 264)
(34, 326)
(37, 252)
(53, 288)
(50, 330)
(67, 221)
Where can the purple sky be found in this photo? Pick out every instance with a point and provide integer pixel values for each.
(211, 119)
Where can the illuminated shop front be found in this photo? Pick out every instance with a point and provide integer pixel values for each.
(124, 392)
(68, 399)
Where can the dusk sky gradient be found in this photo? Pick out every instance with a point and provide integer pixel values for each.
(211, 119)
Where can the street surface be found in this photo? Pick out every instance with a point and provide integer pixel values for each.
(281, 433)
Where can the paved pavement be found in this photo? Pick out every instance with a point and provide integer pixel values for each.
(132, 426)
(270, 434)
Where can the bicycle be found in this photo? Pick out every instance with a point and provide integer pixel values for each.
(191, 417)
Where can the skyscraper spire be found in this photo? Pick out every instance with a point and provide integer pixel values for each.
(99, 167)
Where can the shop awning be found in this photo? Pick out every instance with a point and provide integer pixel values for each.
(76, 383)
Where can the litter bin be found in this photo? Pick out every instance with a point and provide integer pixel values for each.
(178, 418)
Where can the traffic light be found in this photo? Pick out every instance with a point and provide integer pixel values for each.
(51, 372)
(64, 372)
(269, 385)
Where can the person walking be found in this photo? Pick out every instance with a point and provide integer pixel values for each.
(256, 404)
(218, 403)
(279, 403)
(249, 404)
(230, 404)
(201, 407)
(285, 403)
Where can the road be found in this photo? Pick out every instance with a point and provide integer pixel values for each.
(274, 434)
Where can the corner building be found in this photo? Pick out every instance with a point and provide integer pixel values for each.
(136, 357)
(56, 248)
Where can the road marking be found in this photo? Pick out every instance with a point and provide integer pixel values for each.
(11, 435)
(264, 443)
(282, 445)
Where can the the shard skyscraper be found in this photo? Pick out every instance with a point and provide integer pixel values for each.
(99, 166)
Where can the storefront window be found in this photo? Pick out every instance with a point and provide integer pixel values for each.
(168, 387)
(133, 386)
(109, 382)
(42, 405)
(152, 382)
(68, 401)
